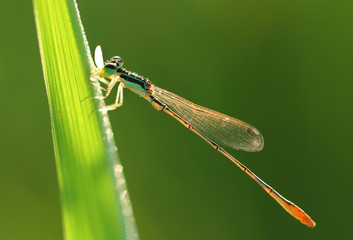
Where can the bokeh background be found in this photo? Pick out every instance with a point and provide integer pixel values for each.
(285, 67)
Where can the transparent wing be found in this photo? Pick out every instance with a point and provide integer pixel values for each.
(98, 57)
(218, 127)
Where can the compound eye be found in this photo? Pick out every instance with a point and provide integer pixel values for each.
(119, 61)
(110, 68)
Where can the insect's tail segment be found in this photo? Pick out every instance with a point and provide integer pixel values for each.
(290, 207)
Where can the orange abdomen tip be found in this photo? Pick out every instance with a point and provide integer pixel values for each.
(300, 215)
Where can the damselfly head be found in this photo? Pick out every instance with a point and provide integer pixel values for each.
(112, 66)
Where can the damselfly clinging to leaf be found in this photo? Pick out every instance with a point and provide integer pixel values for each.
(212, 126)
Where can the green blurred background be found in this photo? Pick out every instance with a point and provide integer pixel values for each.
(285, 67)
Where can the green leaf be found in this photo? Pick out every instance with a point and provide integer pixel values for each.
(94, 199)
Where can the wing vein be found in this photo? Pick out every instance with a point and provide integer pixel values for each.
(220, 128)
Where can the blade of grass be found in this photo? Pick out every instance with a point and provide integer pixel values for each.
(95, 203)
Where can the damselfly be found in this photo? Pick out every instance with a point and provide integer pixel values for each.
(212, 126)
